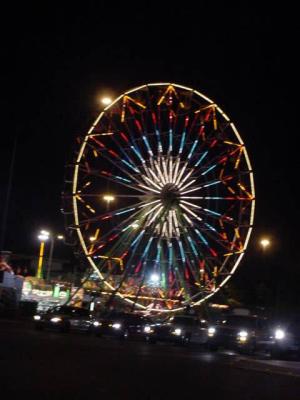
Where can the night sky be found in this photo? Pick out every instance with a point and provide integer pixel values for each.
(62, 58)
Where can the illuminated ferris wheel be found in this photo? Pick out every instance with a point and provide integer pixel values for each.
(180, 209)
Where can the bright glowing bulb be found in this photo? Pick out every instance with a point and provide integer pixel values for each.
(60, 237)
(177, 331)
(108, 198)
(265, 243)
(279, 334)
(43, 238)
(92, 238)
(154, 278)
(56, 319)
(147, 329)
(211, 331)
(106, 100)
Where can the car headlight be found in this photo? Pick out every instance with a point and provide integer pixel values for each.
(177, 331)
(117, 325)
(279, 334)
(211, 331)
(97, 323)
(243, 336)
(55, 319)
(36, 317)
(147, 329)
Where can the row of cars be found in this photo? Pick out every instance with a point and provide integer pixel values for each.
(245, 333)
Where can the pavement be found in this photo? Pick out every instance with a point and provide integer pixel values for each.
(51, 365)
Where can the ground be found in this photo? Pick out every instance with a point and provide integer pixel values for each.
(51, 365)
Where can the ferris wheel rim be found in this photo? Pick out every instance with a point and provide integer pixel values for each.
(75, 184)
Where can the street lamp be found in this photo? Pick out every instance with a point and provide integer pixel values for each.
(53, 239)
(265, 243)
(106, 100)
(43, 237)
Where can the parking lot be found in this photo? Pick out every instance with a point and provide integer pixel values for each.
(77, 365)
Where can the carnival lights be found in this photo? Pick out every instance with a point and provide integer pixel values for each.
(184, 192)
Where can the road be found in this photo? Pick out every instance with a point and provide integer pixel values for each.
(48, 365)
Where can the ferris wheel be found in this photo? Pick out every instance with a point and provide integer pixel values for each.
(162, 196)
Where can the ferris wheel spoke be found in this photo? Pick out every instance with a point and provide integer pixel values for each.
(181, 173)
(134, 146)
(180, 182)
(134, 246)
(219, 160)
(192, 213)
(108, 176)
(178, 271)
(229, 198)
(162, 177)
(194, 188)
(183, 136)
(208, 212)
(175, 172)
(121, 196)
(190, 243)
(155, 127)
(214, 235)
(117, 163)
(119, 145)
(130, 222)
(144, 137)
(107, 154)
(109, 215)
(127, 141)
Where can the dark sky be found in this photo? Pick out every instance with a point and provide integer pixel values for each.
(62, 57)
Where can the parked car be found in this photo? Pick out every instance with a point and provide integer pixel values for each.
(179, 329)
(284, 338)
(245, 333)
(64, 319)
(121, 325)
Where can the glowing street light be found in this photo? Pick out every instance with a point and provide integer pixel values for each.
(43, 237)
(265, 243)
(106, 100)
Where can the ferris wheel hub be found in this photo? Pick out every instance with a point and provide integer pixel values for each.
(170, 195)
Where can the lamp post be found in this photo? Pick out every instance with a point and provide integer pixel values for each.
(53, 239)
(43, 237)
(266, 287)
